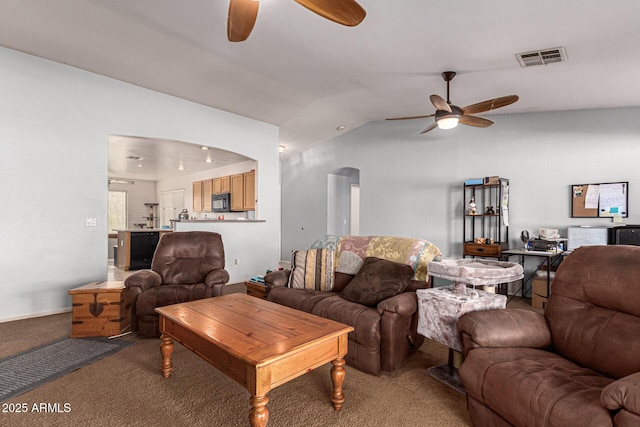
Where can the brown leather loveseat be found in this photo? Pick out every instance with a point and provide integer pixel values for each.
(385, 325)
(576, 365)
(186, 266)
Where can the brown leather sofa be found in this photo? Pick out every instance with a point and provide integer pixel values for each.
(576, 365)
(385, 334)
(186, 266)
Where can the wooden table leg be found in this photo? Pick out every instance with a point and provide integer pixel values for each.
(337, 378)
(166, 348)
(259, 414)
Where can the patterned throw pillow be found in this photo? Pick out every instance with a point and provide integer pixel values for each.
(349, 263)
(312, 269)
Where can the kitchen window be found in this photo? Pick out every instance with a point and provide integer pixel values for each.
(117, 211)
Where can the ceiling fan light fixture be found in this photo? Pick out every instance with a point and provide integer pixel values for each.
(447, 120)
(448, 115)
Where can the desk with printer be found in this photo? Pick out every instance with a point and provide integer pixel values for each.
(549, 249)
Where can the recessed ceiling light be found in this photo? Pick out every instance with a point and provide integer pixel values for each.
(341, 127)
(208, 160)
(204, 148)
(140, 165)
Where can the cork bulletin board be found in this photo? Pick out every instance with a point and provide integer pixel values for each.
(604, 200)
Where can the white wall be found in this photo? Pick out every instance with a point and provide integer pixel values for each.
(54, 125)
(411, 185)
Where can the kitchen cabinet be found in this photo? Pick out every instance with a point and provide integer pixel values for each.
(197, 196)
(221, 185)
(225, 184)
(237, 192)
(249, 187)
(202, 191)
(207, 191)
(242, 188)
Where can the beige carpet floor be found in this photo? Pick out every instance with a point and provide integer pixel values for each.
(128, 389)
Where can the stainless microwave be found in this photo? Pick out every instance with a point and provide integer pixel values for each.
(220, 202)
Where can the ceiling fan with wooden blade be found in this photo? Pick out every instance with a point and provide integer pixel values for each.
(243, 13)
(447, 115)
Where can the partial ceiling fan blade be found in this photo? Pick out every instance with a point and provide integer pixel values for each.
(412, 117)
(345, 12)
(476, 121)
(490, 104)
(433, 126)
(440, 103)
(242, 18)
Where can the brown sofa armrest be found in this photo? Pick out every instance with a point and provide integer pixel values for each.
(217, 277)
(504, 328)
(623, 394)
(404, 304)
(277, 278)
(143, 280)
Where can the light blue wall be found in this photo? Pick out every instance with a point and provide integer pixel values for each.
(54, 125)
(411, 185)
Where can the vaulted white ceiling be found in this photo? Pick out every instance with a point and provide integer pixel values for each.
(309, 75)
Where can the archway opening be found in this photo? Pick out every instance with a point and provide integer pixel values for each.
(343, 201)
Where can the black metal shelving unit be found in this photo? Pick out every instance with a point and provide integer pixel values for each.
(486, 223)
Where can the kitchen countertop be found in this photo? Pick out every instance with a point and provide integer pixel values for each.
(218, 220)
(143, 230)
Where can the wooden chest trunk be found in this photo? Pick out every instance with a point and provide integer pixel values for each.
(100, 309)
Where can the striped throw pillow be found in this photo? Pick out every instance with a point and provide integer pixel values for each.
(312, 269)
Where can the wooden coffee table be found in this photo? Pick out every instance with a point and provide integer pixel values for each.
(257, 343)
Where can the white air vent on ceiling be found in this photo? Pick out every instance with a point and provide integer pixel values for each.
(542, 57)
(120, 181)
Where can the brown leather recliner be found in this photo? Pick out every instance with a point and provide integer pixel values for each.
(186, 266)
(576, 365)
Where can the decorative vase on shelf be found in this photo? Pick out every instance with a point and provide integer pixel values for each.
(473, 208)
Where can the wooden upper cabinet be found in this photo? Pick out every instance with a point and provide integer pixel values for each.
(249, 187)
(242, 187)
(237, 192)
(225, 184)
(216, 186)
(221, 185)
(197, 196)
(207, 191)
